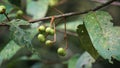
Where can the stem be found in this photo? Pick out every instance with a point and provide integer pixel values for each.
(6, 16)
(52, 24)
(73, 13)
(65, 35)
(65, 31)
(52, 20)
(54, 33)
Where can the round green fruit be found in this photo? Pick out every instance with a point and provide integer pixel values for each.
(19, 13)
(61, 52)
(50, 31)
(53, 2)
(2, 9)
(41, 28)
(49, 42)
(41, 37)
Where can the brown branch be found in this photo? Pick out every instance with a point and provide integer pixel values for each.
(103, 1)
(73, 13)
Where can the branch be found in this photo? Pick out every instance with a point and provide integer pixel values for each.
(103, 1)
(73, 13)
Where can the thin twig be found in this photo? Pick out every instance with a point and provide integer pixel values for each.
(73, 13)
(6, 16)
(65, 34)
(65, 29)
(104, 1)
(54, 33)
(52, 21)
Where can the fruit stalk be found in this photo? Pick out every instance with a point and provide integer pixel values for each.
(7, 16)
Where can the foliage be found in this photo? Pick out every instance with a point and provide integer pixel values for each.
(85, 40)
(9, 51)
(104, 36)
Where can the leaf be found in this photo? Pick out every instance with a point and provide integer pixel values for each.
(86, 41)
(9, 51)
(18, 22)
(20, 36)
(32, 32)
(73, 61)
(85, 61)
(37, 9)
(104, 36)
(72, 23)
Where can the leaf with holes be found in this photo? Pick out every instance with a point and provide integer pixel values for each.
(20, 36)
(104, 36)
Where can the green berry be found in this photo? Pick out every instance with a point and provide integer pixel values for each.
(53, 2)
(50, 30)
(19, 13)
(61, 52)
(41, 28)
(2, 9)
(41, 37)
(49, 42)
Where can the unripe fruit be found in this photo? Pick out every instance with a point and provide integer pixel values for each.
(61, 52)
(53, 2)
(49, 42)
(41, 37)
(50, 30)
(2, 9)
(41, 28)
(19, 13)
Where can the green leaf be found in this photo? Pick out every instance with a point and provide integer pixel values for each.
(86, 41)
(72, 23)
(104, 36)
(73, 61)
(18, 22)
(9, 50)
(20, 36)
(85, 61)
(33, 32)
(37, 9)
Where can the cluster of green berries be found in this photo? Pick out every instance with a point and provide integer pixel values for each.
(2, 9)
(43, 32)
